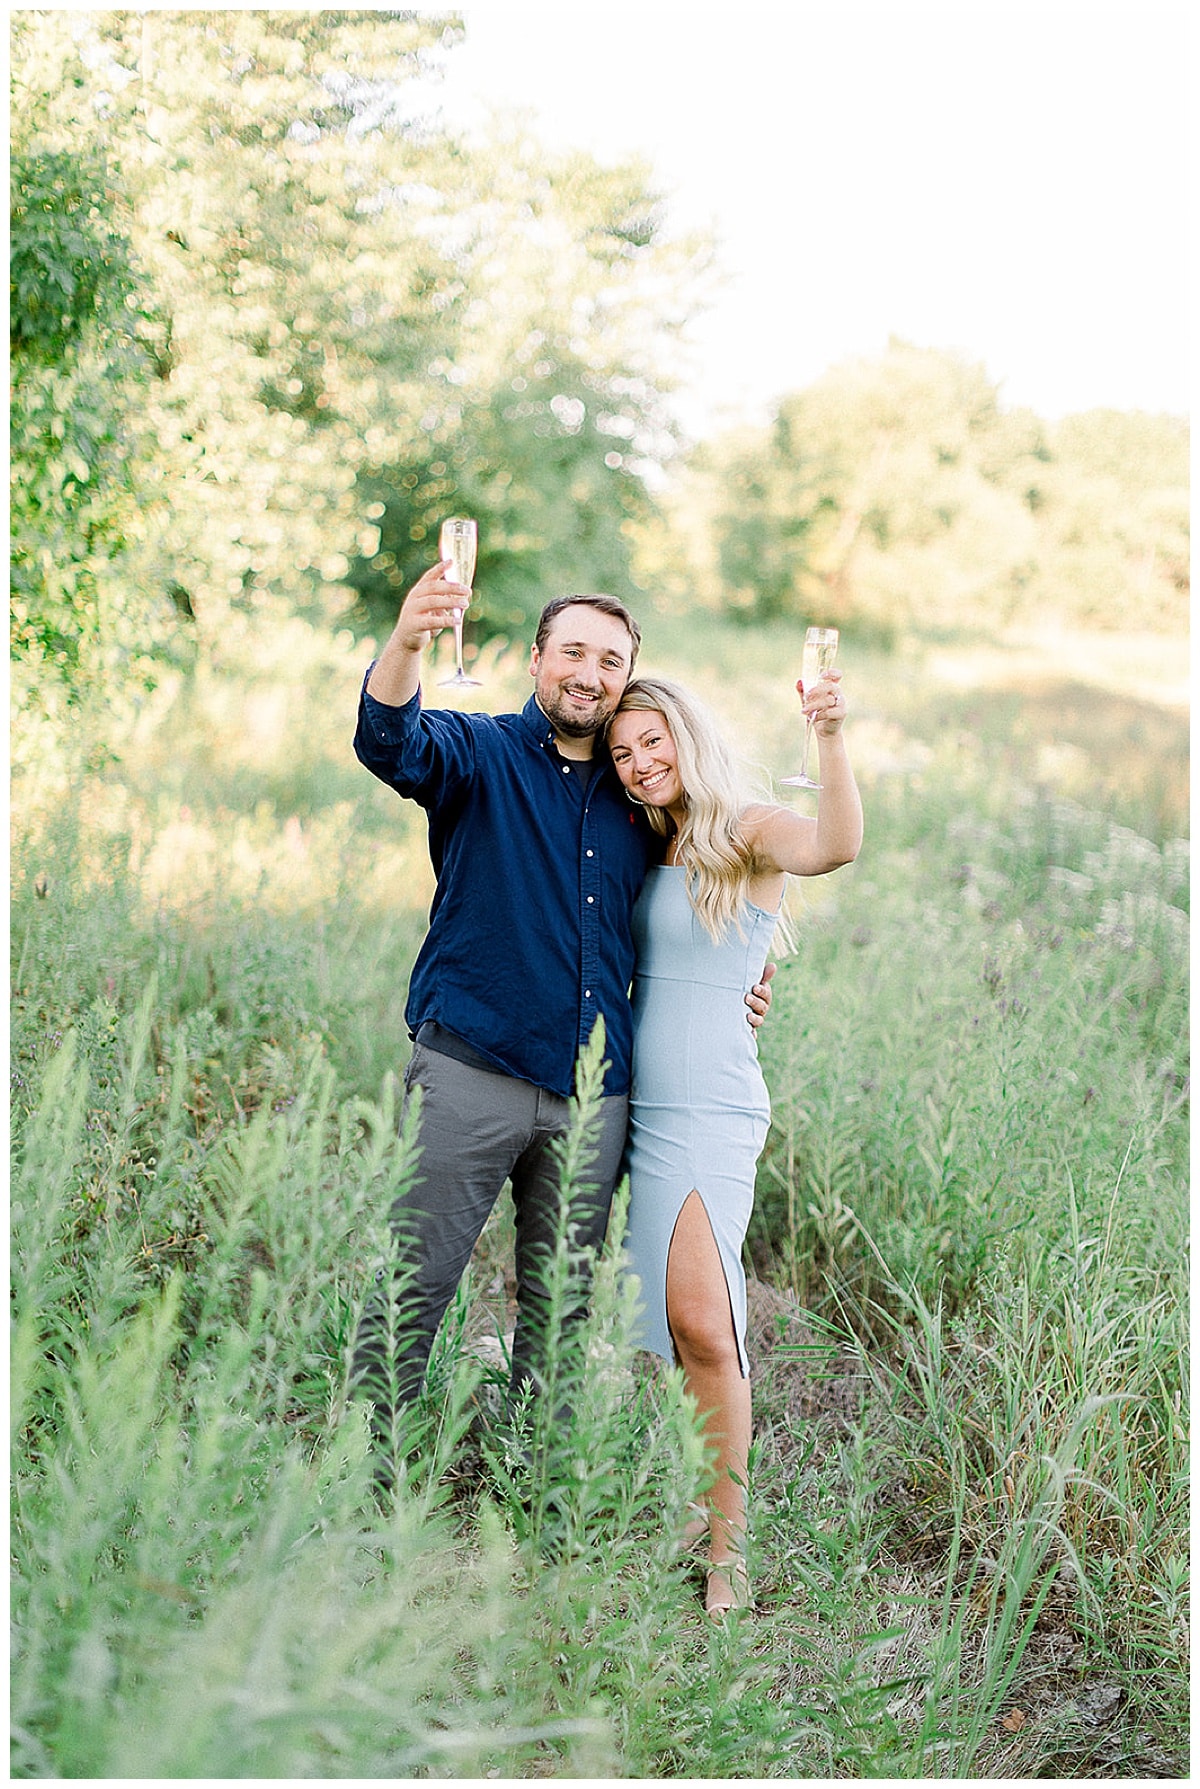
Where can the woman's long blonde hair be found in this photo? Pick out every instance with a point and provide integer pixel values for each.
(711, 845)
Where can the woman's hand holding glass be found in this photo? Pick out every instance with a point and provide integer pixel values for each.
(823, 703)
(824, 711)
(820, 650)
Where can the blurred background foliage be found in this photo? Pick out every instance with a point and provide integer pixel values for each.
(899, 493)
(270, 322)
(269, 325)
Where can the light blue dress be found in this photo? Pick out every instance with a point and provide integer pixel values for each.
(699, 1109)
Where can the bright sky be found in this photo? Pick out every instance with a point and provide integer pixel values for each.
(1011, 182)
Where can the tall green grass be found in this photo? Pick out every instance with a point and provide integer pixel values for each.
(969, 1478)
(986, 1020)
(206, 1585)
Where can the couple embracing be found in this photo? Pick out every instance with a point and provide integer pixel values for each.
(594, 855)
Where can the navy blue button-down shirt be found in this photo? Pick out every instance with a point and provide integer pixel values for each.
(539, 859)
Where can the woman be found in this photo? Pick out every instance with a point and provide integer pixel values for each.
(699, 1110)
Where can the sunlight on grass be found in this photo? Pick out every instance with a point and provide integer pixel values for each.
(1154, 667)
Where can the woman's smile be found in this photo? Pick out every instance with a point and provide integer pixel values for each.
(652, 780)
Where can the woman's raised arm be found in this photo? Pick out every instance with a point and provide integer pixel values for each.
(796, 843)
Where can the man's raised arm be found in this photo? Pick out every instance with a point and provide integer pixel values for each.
(432, 604)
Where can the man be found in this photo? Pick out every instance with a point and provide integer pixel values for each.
(539, 858)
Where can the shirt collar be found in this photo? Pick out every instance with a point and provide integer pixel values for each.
(537, 724)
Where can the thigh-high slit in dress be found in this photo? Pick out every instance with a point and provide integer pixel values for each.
(699, 1109)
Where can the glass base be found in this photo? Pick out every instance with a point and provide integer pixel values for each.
(458, 681)
(799, 782)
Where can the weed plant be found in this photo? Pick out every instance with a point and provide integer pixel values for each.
(969, 1477)
(207, 1586)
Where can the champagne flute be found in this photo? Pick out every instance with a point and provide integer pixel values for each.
(457, 542)
(820, 650)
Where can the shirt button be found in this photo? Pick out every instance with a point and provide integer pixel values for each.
(587, 993)
(591, 854)
(566, 770)
(591, 900)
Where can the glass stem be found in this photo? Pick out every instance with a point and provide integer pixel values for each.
(807, 738)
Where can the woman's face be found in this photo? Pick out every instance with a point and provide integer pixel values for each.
(643, 752)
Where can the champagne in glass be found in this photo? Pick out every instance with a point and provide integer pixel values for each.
(457, 543)
(820, 650)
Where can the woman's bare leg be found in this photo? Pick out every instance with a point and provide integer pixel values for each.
(701, 1323)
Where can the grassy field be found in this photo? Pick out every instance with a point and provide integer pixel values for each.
(970, 1495)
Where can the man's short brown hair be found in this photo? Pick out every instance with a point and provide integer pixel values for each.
(608, 605)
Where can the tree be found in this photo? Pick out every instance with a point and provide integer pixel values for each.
(886, 491)
(898, 492)
(255, 147)
(1116, 520)
(74, 291)
(346, 322)
(554, 407)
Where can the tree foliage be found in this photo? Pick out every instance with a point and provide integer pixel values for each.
(317, 322)
(899, 490)
(1117, 536)
(554, 403)
(271, 321)
(69, 266)
(73, 291)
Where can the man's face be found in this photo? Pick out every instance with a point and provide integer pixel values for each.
(581, 672)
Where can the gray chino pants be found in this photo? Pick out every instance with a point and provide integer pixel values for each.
(478, 1130)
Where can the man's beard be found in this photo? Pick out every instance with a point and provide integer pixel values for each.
(565, 719)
